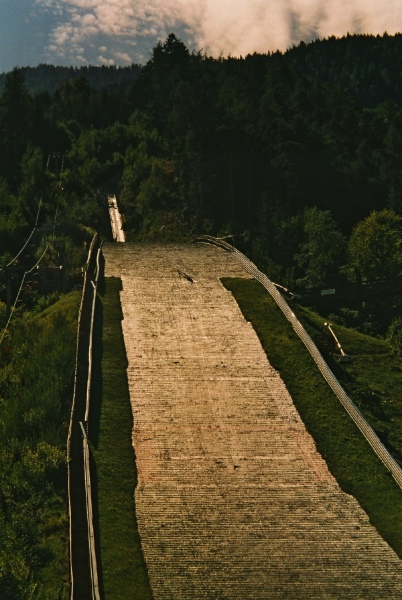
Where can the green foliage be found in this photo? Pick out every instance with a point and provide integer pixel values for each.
(394, 336)
(47, 78)
(149, 182)
(13, 223)
(33, 183)
(323, 249)
(365, 66)
(225, 141)
(290, 153)
(15, 123)
(375, 246)
(36, 376)
(158, 190)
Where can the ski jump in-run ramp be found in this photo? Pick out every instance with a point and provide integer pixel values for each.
(233, 500)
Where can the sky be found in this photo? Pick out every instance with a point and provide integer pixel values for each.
(121, 32)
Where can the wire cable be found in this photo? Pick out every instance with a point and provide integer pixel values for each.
(29, 238)
(19, 292)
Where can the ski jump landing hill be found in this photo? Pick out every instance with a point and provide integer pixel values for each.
(233, 501)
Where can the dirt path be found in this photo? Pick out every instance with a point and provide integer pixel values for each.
(233, 500)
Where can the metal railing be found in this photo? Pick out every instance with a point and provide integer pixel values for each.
(93, 565)
(357, 417)
(83, 564)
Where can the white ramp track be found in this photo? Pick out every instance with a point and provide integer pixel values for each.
(233, 500)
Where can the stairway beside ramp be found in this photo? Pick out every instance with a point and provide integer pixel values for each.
(233, 500)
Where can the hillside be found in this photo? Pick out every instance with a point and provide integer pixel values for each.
(295, 157)
(47, 78)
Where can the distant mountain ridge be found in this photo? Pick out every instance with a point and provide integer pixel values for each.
(47, 78)
(368, 67)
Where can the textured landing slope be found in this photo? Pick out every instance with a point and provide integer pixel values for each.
(233, 499)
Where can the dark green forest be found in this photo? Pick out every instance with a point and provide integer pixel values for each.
(294, 157)
(47, 78)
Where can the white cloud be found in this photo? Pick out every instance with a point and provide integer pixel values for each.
(123, 58)
(244, 26)
(106, 61)
(236, 27)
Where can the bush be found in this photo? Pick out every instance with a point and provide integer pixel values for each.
(394, 336)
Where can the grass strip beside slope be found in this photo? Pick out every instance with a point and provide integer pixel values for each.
(122, 569)
(349, 457)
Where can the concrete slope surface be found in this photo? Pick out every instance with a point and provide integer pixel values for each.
(233, 501)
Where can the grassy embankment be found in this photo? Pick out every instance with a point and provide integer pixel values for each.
(36, 382)
(122, 570)
(373, 380)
